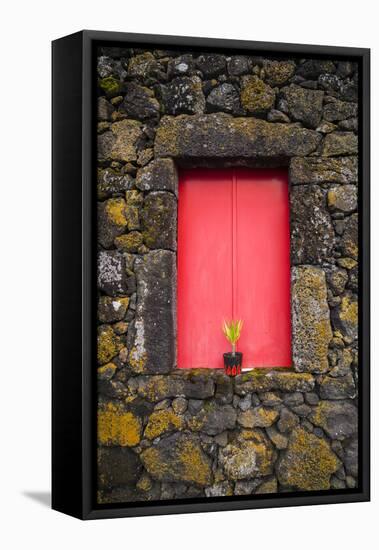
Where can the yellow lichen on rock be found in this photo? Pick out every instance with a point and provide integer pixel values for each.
(163, 421)
(115, 211)
(108, 344)
(117, 427)
(126, 133)
(256, 96)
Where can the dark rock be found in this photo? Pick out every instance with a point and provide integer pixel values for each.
(345, 68)
(337, 388)
(120, 143)
(313, 68)
(256, 96)
(111, 310)
(339, 110)
(111, 273)
(345, 316)
(104, 109)
(139, 102)
(343, 198)
(279, 440)
(158, 175)
(213, 419)
(224, 388)
(110, 183)
(311, 330)
(224, 98)
(222, 136)
(277, 116)
(239, 65)
(118, 466)
(304, 105)
(111, 221)
(278, 73)
(351, 458)
(158, 219)
(293, 399)
(331, 83)
(340, 143)
(339, 419)
(178, 458)
(287, 421)
(153, 349)
(349, 241)
(349, 125)
(308, 462)
(105, 143)
(143, 66)
(211, 65)
(106, 66)
(312, 233)
(258, 417)
(322, 170)
(183, 95)
(337, 279)
(180, 66)
(130, 242)
(311, 398)
(267, 381)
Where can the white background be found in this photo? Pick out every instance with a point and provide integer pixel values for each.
(27, 29)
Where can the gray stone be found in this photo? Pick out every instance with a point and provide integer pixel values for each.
(245, 403)
(213, 419)
(311, 330)
(313, 68)
(339, 419)
(239, 65)
(158, 219)
(194, 387)
(322, 170)
(123, 145)
(349, 241)
(111, 220)
(277, 116)
(351, 458)
(178, 458)
(267, 487)
(179, 405)
(340, 143)
(111, 273)
(153, 348)
(110, 183)
(105, 142)
(222, 136)
(222, 489)
(180, 66)
(118, 466)
(345, 316)
(267, 381)
(293, 399)
(139, 102)
(311, 398)
(224, 388)
(287, 421)
(337, 388)
(104, 109)
(211, 65)
(246, 487)
(158, 175)
(111, 310)
(304, 105)
(278, 439)
(224, 98)
(339, 110)
(312, 233)
(258, 417)
(278, 73)
(337, 279)
(183, 95)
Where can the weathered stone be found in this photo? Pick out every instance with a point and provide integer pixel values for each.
(105, 143)
(326, 127)
(270, 399)
(125, 134)
(259, 380)
(345, 316)
(179, 405)
(311, 330)
(111, 220)
(278, 73)
(111, 309)
(139, 102)
(224, 98)
(277, 116)
(153, 349)
(224, 388)
(349, 125)
(312, 233)
(340, 143)
(213, 419)
(193, 385)
(134, 200)
(158, 175)
(308, 463)
(178, 458)
(183, 95)
(312, 68)
(110, 183)
(337, 388)
(222, 136)
(349, 241)
(111, 273)
(339, 419)
(111, 86)
(108, 344)
(245, 403)
(211, 65)
(130, 242)
(293, 399)
(106, 66)
(142, 66)
(248, 458)
(304, 105)
(339, 110)
(238, 65)
(106, 372)
(258, 417)
(104, 109)
(267, 487)
(321, 170)
(117, 426)
(163, 421)
(180, 66)
(287, 421)
(118, 466)
(279, 440)
(246, 487)
(158, 219)
(351, 458)
(256, 96)
(337, 279)
(222, 489)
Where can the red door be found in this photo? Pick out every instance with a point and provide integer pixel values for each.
(233, 263)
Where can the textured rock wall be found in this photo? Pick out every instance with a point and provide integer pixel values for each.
(165, 433)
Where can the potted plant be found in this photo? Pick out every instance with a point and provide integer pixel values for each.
(233, 359)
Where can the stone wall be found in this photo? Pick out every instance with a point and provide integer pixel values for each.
(164, 433)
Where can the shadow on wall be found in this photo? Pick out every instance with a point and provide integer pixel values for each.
(41, 497)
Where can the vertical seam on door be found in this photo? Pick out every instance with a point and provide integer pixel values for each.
(234, 242)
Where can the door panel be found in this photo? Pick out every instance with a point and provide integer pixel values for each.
(233, 262)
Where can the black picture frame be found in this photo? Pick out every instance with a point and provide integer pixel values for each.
(74, 286)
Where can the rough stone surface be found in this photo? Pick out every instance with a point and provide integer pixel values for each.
(304, 105)
(258, 417)
(158, 218)
(139, 102)
(256, 96)
(343, 198)
(308, 462)
(248, 458)
(194, 385)
(345, 316)
(259, 380)
(117, 426)
(339, 419)
(339, 110)
(349, 242)
(159, 175)
(312, 233)
(214, 419)
(183, 95)
(337, 388)
(224, 98)
(111, 273)
(278, 73)
(153, 349)
(112, 221)
(222, 136)
(118, 466)
(340, 143)
(178, 457)
(310, 320)
(321, 170)
(125, 134)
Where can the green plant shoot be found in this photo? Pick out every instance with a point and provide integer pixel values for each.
(232, 331)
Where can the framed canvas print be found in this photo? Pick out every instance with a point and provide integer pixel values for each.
(210, 274)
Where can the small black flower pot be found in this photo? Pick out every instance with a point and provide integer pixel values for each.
(233, 363)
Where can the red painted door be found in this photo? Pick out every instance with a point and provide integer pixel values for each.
(233, 262)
